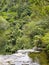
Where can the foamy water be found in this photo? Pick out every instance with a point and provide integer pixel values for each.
(17, 59)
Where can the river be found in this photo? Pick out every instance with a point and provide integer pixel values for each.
(32, 58)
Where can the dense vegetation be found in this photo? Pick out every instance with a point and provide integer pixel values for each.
(24, 24)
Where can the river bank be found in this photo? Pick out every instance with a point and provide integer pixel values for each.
(42, 57)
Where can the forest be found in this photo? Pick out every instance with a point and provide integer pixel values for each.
(23, 25)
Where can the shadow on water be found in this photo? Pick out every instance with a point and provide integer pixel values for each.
(40, 57)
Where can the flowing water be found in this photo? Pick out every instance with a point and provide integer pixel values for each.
(17, 59)
(24, 59)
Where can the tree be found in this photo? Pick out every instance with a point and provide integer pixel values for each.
(45, 41)
(3, 24)
(23, 42)
(37, 41)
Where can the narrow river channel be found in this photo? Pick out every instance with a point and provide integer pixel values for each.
(33, 58)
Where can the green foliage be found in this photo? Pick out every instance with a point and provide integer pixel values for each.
(3, 23)
(45, 41)
(23, 24)
(46, 38)
(37, 41)
(23, 42)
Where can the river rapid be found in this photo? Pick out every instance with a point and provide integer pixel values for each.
(21, 58)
